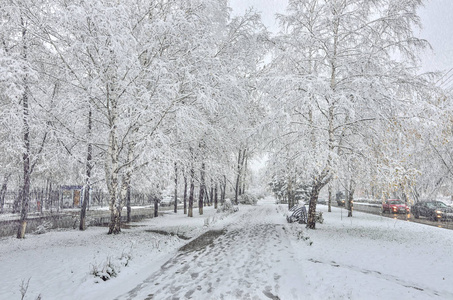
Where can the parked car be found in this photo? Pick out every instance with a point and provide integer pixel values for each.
(341, 201)
(395, 206)
(433, 210)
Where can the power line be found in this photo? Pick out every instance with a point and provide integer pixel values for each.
(447, 84)
(446, 80)
(444, 75)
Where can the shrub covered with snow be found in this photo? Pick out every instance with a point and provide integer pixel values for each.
(105, 271)
(248, 199)
(227, 207)
(43, 227)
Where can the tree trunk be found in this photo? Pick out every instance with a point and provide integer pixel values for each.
(45, 201)
(128, 204)
(317, 185)
(114, 201)
(185, 194)
(156, 206)
(238, 177)
(176, 188)
(115, 221)
(3, 192)
(223, 190)
(329, 207)
(351, 198)
(211, 194)
(311, 221)
(86, 196)
(51, 197)
(202, 189)
(192, 187)
(125, 184)
(113, 214)
(350, 203)
(26, 150)
(113, 205)
(112, 178)
(215, 196)
(289, 192)
(112, 168)
(244, 172)
(404, 196)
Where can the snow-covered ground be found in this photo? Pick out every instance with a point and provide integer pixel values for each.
(251, 254)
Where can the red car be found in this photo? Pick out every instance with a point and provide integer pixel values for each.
(395, 206)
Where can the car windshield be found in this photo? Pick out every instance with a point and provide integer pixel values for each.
(436, 204)
(396, 202)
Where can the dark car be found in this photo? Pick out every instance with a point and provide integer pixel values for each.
(433, 210)
(341, 199)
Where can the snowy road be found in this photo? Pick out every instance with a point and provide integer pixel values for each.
(249, 259)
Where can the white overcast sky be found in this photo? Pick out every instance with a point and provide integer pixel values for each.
(437, 19)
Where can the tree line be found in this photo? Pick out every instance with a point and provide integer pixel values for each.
(122, 93)
(135, 94)
(355, 111)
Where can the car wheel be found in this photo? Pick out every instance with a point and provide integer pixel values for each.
(434, 218)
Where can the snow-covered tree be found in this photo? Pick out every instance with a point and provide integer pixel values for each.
(29, 93)
(348, 64)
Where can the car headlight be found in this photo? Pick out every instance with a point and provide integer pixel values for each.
(439, 212)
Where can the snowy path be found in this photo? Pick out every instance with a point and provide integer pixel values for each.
(248, 260)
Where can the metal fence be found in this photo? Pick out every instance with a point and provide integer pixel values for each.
(65, 197)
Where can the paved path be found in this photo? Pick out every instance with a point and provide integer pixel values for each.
(250, 259)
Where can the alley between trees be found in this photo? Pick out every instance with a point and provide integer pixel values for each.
(249, 259)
